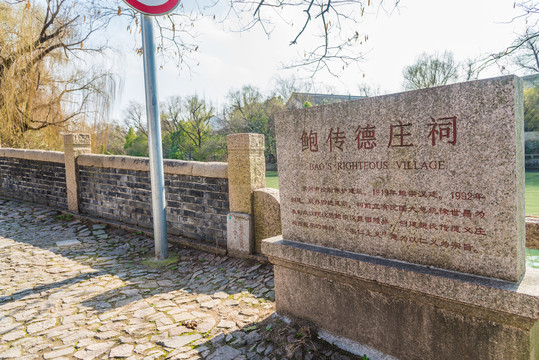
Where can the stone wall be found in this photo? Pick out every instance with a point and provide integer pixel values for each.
(201, 197)
(32, 175)
(118, 188)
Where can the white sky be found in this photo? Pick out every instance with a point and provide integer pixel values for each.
(469, 28)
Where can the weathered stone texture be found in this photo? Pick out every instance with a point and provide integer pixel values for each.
(38, 155)
(389, 305)
(267, 210)
(175, 167)
(239, 234)
(432, 177)
(196, 206)
(532, 232)
(41, 182)
(74, 146)
(402, 326)
(105, 301)
(246, 170)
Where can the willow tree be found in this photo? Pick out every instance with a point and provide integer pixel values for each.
(47, 48)
(43, 83)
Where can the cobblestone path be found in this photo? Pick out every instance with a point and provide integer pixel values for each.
(76, 290)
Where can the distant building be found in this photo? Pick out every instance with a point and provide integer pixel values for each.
(297, 100)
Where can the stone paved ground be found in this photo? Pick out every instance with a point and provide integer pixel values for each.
(74, 290)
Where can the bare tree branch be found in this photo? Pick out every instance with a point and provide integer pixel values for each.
(335, 22)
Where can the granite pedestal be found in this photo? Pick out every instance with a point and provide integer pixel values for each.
(406, 311)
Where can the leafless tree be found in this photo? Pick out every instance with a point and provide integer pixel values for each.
(523, 51)
(284, 87)
(528, 57)
(134, 116)
(431, 70)
(190, 116)
(334, 26)
(368, 90)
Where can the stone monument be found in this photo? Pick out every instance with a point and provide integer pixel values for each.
(403, 223)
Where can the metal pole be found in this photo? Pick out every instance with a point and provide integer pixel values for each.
(154, 139)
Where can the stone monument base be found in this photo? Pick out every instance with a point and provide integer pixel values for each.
(403, 310)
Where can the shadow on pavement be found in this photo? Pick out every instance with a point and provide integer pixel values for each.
(105, 297)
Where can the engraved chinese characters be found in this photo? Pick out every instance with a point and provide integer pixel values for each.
(431, 177)
(366, 136)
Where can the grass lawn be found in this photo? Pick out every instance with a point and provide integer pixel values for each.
(532, 193)
(532, 189)
(272, 179)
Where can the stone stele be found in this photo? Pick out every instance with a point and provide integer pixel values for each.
(432, 177)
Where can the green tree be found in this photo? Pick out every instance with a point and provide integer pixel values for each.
(136, 144)
(531, 109)
(176, 145)
(249, 111)
(45, 46)
(186, 123)
(130, 137)
(213, 149)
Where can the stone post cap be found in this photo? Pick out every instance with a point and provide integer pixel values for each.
(245, 141)
(77, 139)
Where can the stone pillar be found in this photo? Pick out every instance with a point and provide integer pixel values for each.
(74, 145)
(267, 215)
(246, 172)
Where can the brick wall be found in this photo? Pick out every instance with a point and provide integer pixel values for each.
(199, 195)
(196, 205)
(41, 182)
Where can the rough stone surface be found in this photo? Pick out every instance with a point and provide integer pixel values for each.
(532, 232)
(391, 320)
(397, 304)
(81, 300)
(40, 326)
(37, 155)
(267, 215)
(74, 145)
(58, 353)
(122, 351)
(68, 243)
(432, 177)
(520, 299)
(225, 353)
(246, 170)
(240, 240)
(178, 342)
(177, 167)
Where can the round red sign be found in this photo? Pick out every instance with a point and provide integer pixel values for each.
(153, 7)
